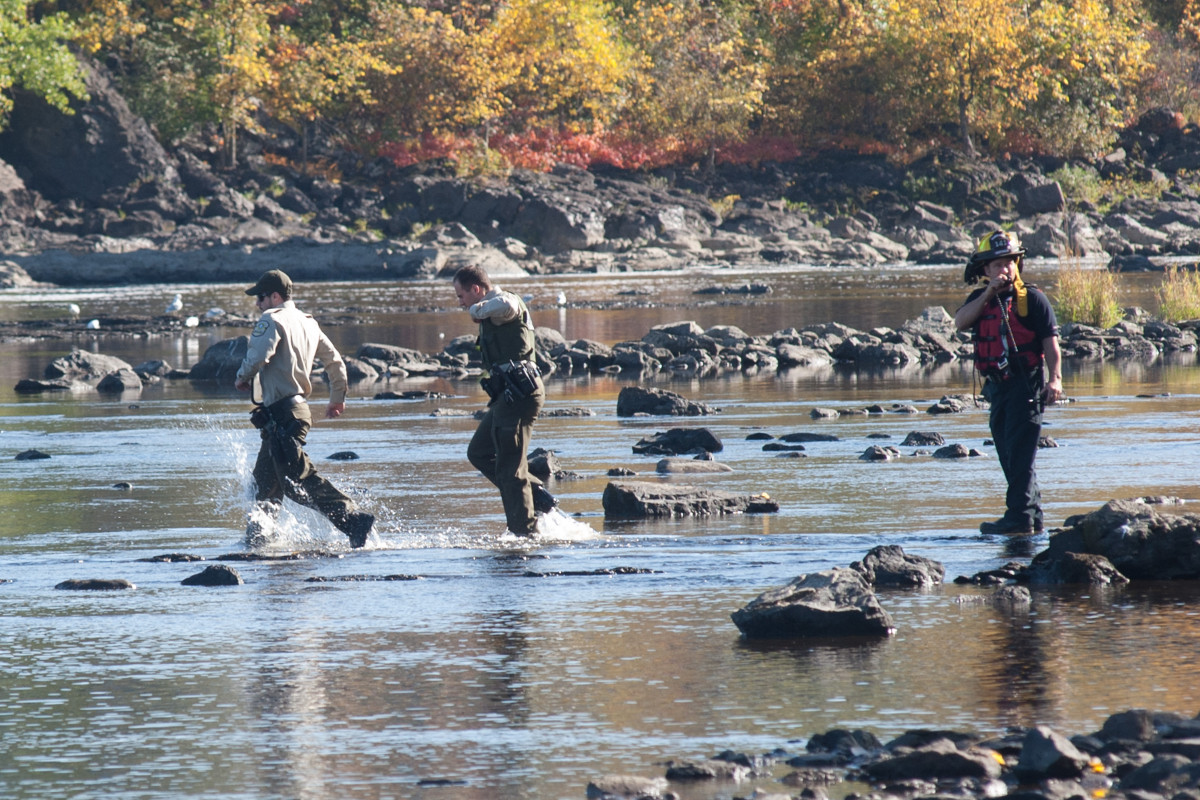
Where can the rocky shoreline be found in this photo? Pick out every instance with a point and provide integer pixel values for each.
(95, 199)
(679, 348)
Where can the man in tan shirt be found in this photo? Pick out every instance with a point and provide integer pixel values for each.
(283, 346)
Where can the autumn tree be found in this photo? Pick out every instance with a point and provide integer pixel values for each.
(561, 62)
(34, 55)
(701, 75)
(307, 81)
(1090, 57)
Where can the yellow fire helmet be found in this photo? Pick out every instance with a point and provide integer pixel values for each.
(997, 244)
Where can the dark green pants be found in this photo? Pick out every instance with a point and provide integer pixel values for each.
(499, 450)
(283, 469)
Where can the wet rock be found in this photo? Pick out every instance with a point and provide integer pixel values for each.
(543, 463)
(1135, 725)
(836, 602)
(1047, 754)
(31, 455)
(173, 558)
(637, 500)
(634, 400)
(1011, 597)
(678, 441)
(708, 770)
(343, 455)
(95, 585)
(32, 386)
(626, 787)
(221, 361)
(938, 759)
(889, 565)
(880, 453)
(952, 451)
(690, 466)
(123, 380)
(1142, 540)
(805, 436)
(123, 486)
(1065, 568)
(215, 575)
(81, 365)
(920, 439)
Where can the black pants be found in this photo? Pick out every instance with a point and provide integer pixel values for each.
(283, 469)
(1016, 425)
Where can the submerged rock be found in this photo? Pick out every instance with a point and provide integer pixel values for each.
(95, 585)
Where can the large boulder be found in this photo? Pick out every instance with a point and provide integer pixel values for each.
(221, 361)
(81, 365)
(102, 154)
(1143, 540)
(640, 500)
(635, 400)
(834, 602)
(889, 565)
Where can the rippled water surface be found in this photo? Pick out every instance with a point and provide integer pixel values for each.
(445, 661)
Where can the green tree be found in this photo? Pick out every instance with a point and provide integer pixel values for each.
(35, 56)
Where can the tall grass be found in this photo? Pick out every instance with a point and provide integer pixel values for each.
(1088, 297)
(1179, 295)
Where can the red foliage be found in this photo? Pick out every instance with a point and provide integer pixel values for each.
(540, 150)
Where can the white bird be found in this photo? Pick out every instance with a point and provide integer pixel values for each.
(176, 304)
(93, 325)
(527, 298)
(214, 312)
(73, 309)
(562, 298)
(191, 322)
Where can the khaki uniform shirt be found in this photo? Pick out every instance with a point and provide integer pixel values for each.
(283, 346)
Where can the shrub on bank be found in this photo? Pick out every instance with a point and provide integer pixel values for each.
(1088, 297)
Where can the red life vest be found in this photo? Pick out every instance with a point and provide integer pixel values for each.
(990, 340)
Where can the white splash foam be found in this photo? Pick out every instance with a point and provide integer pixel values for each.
(555, 526)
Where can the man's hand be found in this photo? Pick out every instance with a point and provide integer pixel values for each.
(334, 410)
(243, 386)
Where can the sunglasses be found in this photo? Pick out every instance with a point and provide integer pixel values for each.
(262, 297)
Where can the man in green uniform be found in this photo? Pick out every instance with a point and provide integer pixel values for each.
(514, 385)
(280, 356)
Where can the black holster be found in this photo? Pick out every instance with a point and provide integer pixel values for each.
(260, 416)
(518, 380)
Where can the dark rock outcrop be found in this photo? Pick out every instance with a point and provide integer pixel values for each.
(836, 602)
(215, 575)
(1143, 540)
(638, 500)
(889, 565)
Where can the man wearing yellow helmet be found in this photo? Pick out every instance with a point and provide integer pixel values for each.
(1016, 344)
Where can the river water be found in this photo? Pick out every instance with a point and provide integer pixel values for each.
(448, 661)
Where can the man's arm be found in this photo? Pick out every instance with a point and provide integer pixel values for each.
(970, 312)
(335, 368)
(499, 309)
(1053, 391)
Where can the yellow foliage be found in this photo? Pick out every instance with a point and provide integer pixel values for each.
(700, 77)
(557, 60)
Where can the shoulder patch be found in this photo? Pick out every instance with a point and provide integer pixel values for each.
(260, 328)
